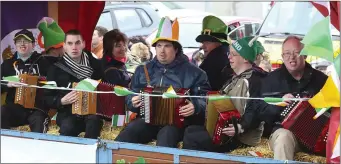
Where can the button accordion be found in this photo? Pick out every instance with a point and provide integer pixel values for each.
(29, 97)
(162, 111)
(311, 133)
(102, 104)
(219, 114)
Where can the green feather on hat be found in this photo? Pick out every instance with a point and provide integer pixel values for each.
(53, 35)
(168, 30)
(213, 30)
(247, 47)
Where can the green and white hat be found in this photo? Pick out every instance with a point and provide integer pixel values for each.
(259, 47)
(247, 48)
(213, 30)
(168, 30)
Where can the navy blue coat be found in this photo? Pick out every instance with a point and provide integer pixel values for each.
(180, 74)
(115, 72)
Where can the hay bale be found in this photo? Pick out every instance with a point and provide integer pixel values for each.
(108, 132)
(53, 129)
(264, 149)
(24, 128)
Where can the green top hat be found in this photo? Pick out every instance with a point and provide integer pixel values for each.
(53, 35)
(213, 30)
(247, 48)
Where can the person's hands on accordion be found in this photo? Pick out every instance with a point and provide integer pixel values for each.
(136, 100)
(187, 110)
(69, 98)
(231, 131)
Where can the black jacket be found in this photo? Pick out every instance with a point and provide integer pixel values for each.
(280, 82)
(40, 66)
(62, 78)
(115, 72)
(217, 67)
(180, 74)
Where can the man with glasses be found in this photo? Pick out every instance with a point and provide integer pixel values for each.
(294, 76)
(245, 83)
(24, 60)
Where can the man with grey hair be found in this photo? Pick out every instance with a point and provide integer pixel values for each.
(294, 76)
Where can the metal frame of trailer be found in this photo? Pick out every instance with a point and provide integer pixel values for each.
(111, 151)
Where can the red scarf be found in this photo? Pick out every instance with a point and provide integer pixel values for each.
(121, 59)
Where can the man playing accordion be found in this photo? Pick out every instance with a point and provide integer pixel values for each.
(247, 130)
(170, 67)
(294, 76)
(75, 65)
(24, 61)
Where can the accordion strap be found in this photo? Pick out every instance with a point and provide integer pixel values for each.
(66, 69)
(147, 74)
(111, 68)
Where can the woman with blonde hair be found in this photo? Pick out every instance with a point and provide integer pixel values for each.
(141, 51)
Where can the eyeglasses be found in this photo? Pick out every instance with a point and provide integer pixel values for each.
(293, 53)
(21, 42)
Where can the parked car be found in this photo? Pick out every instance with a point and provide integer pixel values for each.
(173, 10)
(190, 28)
(132, 18)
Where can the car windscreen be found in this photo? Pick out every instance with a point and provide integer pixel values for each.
(187, 34)
(292, 17)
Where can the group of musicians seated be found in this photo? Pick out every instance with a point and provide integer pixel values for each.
(235, 74)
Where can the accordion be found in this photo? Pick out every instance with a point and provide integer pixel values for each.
(219, 114)
(103, 104)
(29, 97)
(160, 111)
(311, 133)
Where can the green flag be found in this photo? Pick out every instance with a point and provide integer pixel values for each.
(215, 98)
(121, 91)
(12, 78)
(87, 84)
(318, 42)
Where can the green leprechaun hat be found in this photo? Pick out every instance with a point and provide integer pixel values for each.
(247, 48)
(168, 30)
(53, 35)
(213, 30)
(259, 47)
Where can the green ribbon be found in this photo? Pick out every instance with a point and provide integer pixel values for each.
(215, 98)
(273, 99)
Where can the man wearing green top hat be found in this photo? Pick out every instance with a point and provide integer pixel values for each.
(245, 83)
(53, 37)
(215, 46)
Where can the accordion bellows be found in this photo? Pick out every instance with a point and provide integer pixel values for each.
(162, 111)
(311, 133)
(102, 104)
(219, 114)
(27, 96)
